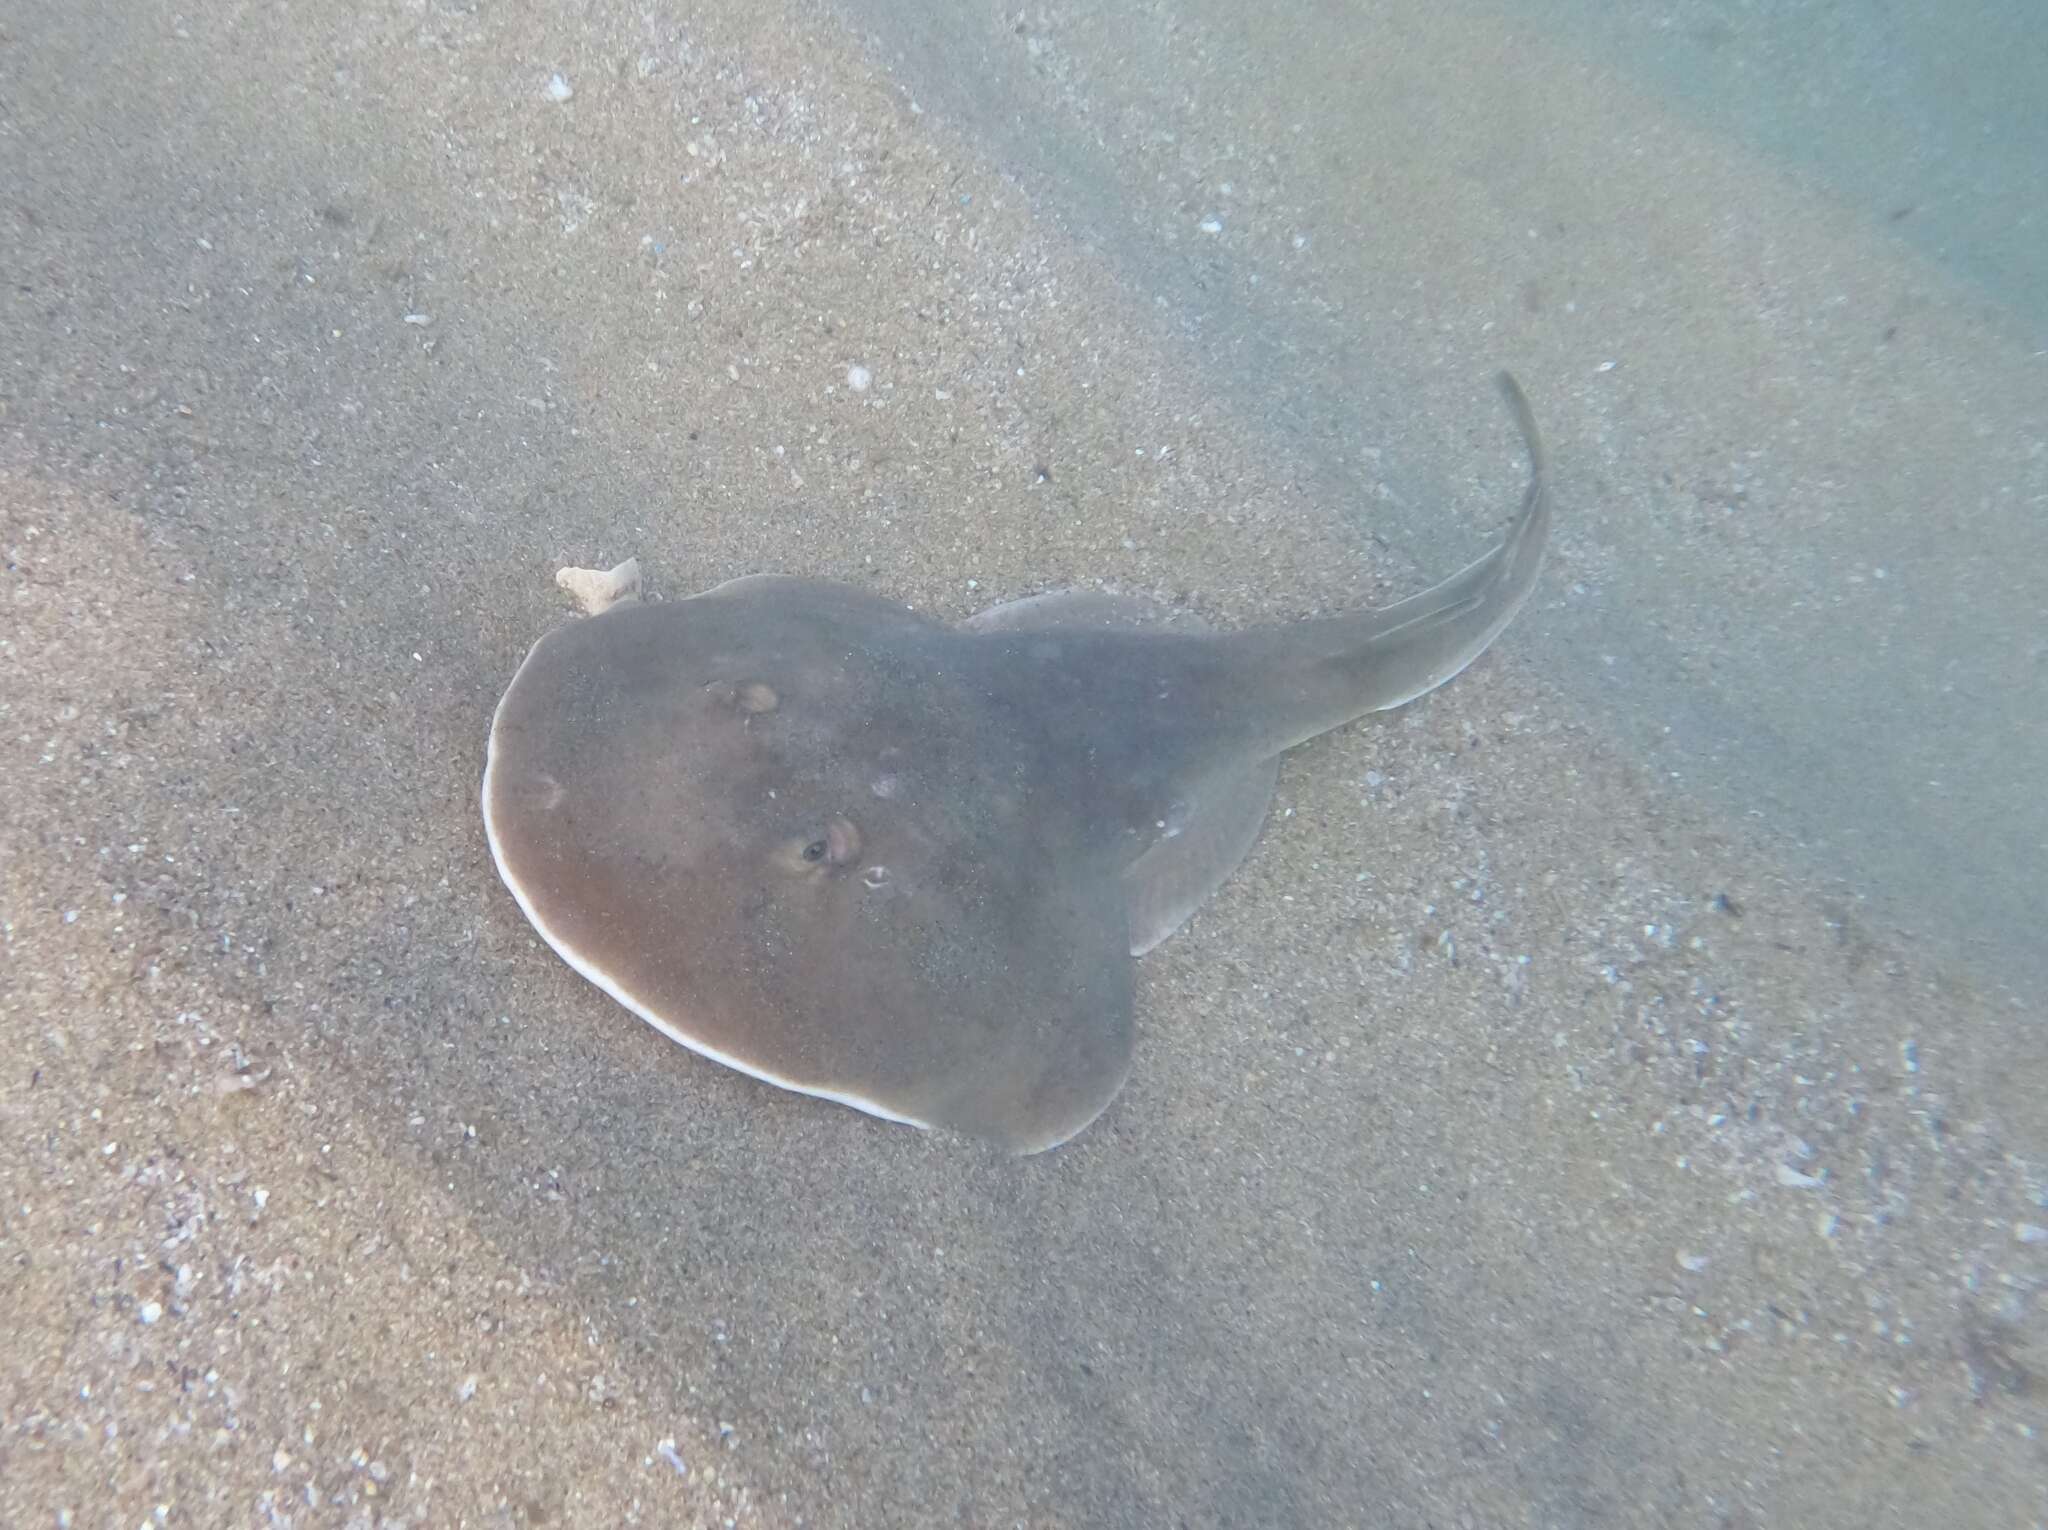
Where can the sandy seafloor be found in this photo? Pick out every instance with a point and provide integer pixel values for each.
(1611, 1093)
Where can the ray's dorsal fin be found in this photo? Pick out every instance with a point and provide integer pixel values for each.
(1204, 834)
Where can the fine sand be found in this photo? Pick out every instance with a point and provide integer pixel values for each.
(1609, 1095)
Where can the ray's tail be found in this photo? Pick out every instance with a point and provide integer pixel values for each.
(1371, 661)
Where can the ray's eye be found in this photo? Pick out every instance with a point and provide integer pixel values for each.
(837, 846)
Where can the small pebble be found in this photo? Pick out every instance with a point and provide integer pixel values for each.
(150, 1312)
(2030, 1232)
(559, 88)
(858, 378)
(666, 1449)
(1693, 1263)
(1792, 1179)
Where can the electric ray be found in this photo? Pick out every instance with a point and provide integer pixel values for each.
(871, 857)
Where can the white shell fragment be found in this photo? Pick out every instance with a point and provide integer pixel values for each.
(598, 590)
